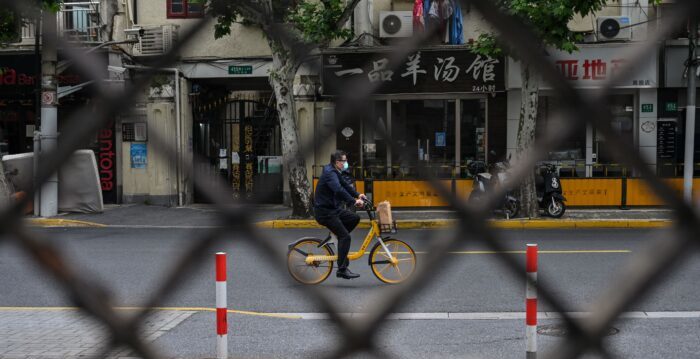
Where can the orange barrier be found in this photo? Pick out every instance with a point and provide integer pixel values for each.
(579, 192)
(463, 188)
(592, 191)
(640, 194)
(409, 193)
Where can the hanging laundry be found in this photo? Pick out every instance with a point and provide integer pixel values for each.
(418, 16)
(440, 12)
(426, 11)
(456, 27)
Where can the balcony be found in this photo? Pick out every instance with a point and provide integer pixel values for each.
(78, 22)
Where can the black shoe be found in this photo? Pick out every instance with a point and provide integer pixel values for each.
(346, 273)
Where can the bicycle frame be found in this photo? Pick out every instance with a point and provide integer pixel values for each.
(373, 232)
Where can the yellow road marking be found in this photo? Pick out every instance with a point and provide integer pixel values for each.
(603, 251)
(181, 309)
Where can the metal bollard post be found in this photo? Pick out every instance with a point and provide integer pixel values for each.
(221, 321)
(531, 302)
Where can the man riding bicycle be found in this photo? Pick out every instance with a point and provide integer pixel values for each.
(331, 191)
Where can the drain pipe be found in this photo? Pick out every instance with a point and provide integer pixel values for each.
(178, 124)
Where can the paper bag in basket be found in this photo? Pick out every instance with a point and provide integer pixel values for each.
(384, 213)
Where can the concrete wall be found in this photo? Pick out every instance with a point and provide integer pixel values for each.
(638, 11)
(646, 126)
(154, 184)
(244, 41)
(157, 183)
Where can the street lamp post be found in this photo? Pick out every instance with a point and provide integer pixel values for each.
(49, 112)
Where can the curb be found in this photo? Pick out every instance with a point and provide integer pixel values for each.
(57, 222)
(411, 224)
(502, 224)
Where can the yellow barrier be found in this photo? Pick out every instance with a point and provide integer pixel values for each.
(640, 194)
(409, 193)
(579, 192)
(592, 191)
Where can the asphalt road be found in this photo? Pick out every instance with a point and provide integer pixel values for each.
(576, 265)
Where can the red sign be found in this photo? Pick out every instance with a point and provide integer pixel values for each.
(106, 162)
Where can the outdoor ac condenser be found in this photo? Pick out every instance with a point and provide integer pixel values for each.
(156, 40)
(395, 24)
(613, 28)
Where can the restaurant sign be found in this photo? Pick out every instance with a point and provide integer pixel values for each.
(423, 71)
(592, 66)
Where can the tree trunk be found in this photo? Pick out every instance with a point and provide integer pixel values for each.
(526, 139)
(6, 189)
(282, 80)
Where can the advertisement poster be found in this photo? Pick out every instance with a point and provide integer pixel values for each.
(439, 139)
(139, 155)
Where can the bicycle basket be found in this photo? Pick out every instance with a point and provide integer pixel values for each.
(385, 219)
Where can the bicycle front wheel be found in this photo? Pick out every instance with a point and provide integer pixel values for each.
(306, 272)
(393, 266)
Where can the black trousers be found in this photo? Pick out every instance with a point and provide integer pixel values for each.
(341, 222)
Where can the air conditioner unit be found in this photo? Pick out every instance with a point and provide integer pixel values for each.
(614, 28)
(395, 24)
(156, 40)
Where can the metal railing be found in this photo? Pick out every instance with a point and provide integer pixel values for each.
(78, 22)
(579, 170)
(645, 271)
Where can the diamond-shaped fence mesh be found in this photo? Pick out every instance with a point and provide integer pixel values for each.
(640, 275)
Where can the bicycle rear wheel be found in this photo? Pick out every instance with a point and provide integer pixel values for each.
(395, 266)
(309, 273)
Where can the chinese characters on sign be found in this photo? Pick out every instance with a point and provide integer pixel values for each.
(423, 71)
(594, 66)
(586, 192)
(594, 69)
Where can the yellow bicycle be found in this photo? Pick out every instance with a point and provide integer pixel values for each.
(310, 260)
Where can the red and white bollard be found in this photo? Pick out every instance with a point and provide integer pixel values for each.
(531, 301)
(221, 321)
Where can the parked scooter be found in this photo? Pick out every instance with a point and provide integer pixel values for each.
(549, 191)
(485, 181)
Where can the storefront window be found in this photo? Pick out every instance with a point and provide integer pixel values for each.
(622, 110)
(472, 133)
(569, 155)
(374, 144)
(424, 131)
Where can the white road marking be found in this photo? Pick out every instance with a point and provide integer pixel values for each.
(493, 315)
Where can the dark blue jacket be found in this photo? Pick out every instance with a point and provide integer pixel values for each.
(331, 190)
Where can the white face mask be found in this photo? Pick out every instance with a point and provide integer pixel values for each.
(345, 165)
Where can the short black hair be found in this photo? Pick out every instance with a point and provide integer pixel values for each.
(337, 155)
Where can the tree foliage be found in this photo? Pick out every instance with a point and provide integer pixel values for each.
(318, 21)
(547, 19)
(11, 21)
(314, 22)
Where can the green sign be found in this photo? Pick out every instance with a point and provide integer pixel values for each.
(671, 106)
(647, 107)
(240, 70)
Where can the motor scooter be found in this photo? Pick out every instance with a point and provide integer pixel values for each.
(549, 191)
(485, 182)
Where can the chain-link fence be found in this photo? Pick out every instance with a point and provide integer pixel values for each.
(641, 273)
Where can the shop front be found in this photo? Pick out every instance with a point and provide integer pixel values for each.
(632, 103)
(18, 112)
(673, 99)
(438, 111)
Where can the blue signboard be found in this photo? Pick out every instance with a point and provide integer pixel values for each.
(139, 155)
(439, 139)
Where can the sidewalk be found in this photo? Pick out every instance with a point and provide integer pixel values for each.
(276, 216)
